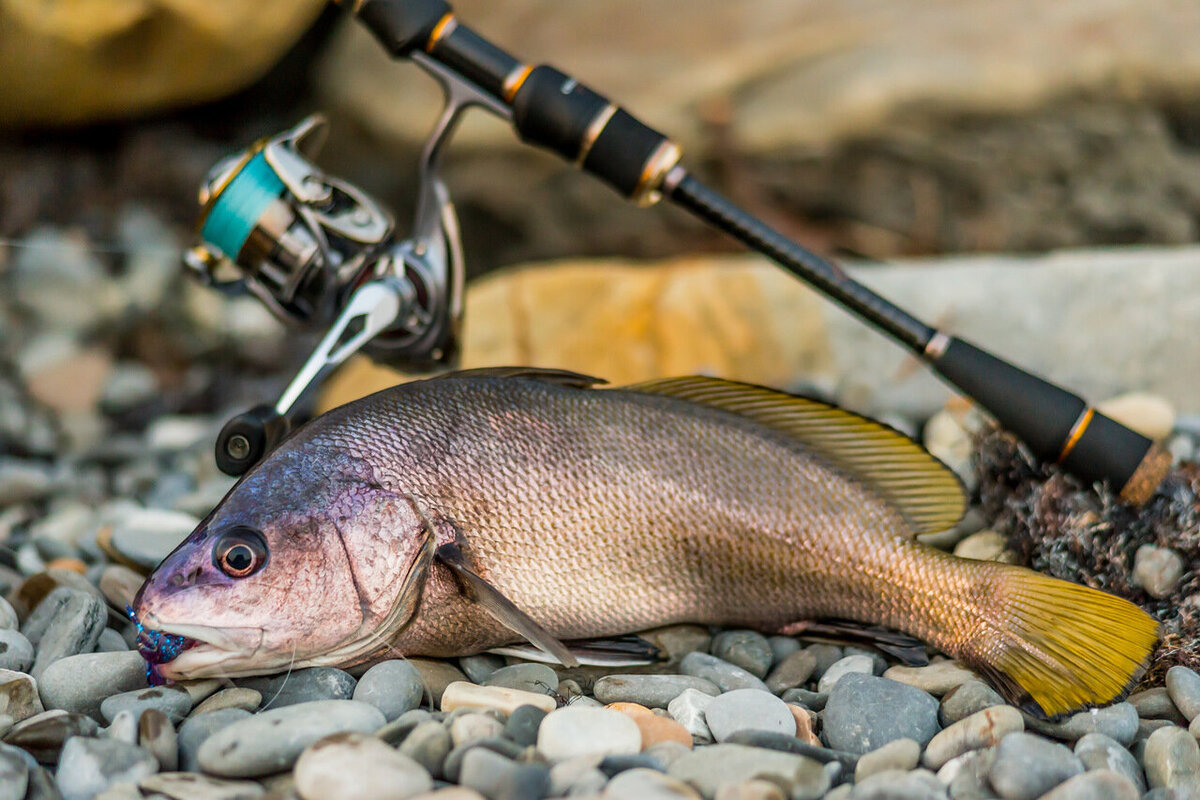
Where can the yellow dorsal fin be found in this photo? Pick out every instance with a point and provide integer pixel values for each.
(925, 490)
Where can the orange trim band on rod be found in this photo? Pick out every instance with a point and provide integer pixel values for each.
(1077, 431)
(438, 31)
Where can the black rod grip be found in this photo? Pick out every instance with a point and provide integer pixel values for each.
(402, 26)
(1057, 425)
(475, 58)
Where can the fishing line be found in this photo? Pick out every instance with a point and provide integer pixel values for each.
(291, 663)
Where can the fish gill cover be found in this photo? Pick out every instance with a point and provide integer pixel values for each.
(1059, 526)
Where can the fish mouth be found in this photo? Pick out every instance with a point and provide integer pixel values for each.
(178, 651)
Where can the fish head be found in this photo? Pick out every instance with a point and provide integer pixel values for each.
(301, 564)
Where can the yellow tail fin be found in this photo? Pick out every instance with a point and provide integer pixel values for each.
(1054, 647)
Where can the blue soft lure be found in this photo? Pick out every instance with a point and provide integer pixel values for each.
(156, 647)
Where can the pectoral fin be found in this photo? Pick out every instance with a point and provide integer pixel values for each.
(621, 651)
(908, 649)
(500, 607)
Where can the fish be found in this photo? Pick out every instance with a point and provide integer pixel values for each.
(538, 509)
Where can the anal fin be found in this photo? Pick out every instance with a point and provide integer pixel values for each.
(500, 607)
(907, 648)
(620, 651)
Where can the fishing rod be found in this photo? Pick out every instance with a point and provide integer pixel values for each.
(315, 249)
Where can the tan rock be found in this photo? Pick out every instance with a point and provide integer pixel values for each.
(104, 59)
(657, 729)
(74, 383)
(437, 675)
(462, 694)
(805, 725)
(1148, 414)
(983, 546)
(937, 679)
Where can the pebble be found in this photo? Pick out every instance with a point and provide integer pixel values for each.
(78, 618)
(479, 667)
(437, 676)
(1118, 721)
(462, 694)
(983, 546)
(657, 730)
(751, 790)
(711, 768)
(901, 754)
(653, 691)
(19, 698)
(527, 677)
(119, 584)
(967, 699)
(1095, 785)
(725, 675)
(498, 778)
(452, 766)
(1157, 570)
(145, 536)
(814, 700)
(234, 697)
(523, 723)
(937, 679)
(156, 735)
(1098, 751)
(982, 729)
(428, 745)
(748, 710)
(865, 712)
(272, 740)
(688, 709)
(172, 701)
(124, 727)
(302, 686)
(849, 665)
(473, 726)
(782, 647)
(43, 736)
(196, 730)
(826, 655)
(14, 773)
(791, 671)
(1148, 414)
(1028, 766)
(1156, 704)
(81, 683)
(570, 732)
(23, 481)
(648, 784)
(1183, 684)
(359, 766)
(193, 786)
(391, 686)
(966, 776)
(8, 616)
(89, 766)
(896, 785)
(111, 641)
(749, 650)
(1172, 759)
(679, 640)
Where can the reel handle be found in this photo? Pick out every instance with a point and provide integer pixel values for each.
(249, 436)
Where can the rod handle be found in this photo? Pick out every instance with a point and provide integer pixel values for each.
(248, 437)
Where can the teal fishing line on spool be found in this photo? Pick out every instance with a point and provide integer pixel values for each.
(238, 208)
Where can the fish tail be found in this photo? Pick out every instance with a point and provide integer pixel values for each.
(1053, 647)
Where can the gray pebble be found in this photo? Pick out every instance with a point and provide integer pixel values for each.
(16, 652)
(966, 776)
(896, 785)
(391, 686)
(196, 730)
(302, 686)
(722, 673)
(826, 654)
(428, 744)
(569, 732)
(1098, 751)
(746, 649)
(89, 766)
(679, 640)
(111, 641)
(523, 723)
(982, 729)
(792, 671)
(1156, 704)
(1028, 766)
(652, 691)
(452, 766)
(498, 778)
(14, 773)
(1157, 570)
(42, 786)
(360, 766)
(157, 736)
(8, 616)
(272, 740)
(748, 710)
(123, 728)
(43, 736)
(74, 627)
(782, 647)
(194, 786)
(1183, 684)
(529, 677)
(395, 731)
(146, 536)
(18, 695)
(849, 665)
(811, 700)
(80, 683)
(688, 709)
(1118, 721)
(648, 784)
(170, 700)
(479, 667)
(967, 699)
(901, 754)
(235, 697)
(473, 726)
(1172, 760)
(710, 768)
(1097, 785)
(865, 712)
(577, 777)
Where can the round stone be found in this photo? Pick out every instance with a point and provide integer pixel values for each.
(1118, 721)
(360, 766)
(792, 670)
(725, 675)
(748, 710)
(1099, 784)
(1183, 684)
(89, 766)
(652, 691)
(499, 778)
(967, 699)
(43, 736)
(173, 702)
(937, 679)
(14, 773)
(648, 784)
(1098, 751)
(428, 744)
(302, 686)
(16, 652)
(462, 694)
(18, 695)
(528, 677)
(711, 768)
(688, 709)
(272, 740)
(855, 664)
(1157, 570)
(523, 723)
(235, 697)
(1172, 759)
(196, 730)
(982, 729)
(391, 686)
(746, 649)
(478, 667)
(900, 754)
(81, 683)
(865, 712)
(570, 732)
(1028, 766)
(471, 727)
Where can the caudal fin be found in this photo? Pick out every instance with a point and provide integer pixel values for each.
(1053, 647)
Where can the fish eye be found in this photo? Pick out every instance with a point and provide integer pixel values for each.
(240, 552)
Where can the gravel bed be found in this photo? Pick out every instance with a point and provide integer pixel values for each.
(104, 469)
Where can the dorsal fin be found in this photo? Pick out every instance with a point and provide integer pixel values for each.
(558, 377)
(926, 491)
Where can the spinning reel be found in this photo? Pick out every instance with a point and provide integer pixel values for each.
(319, 252)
